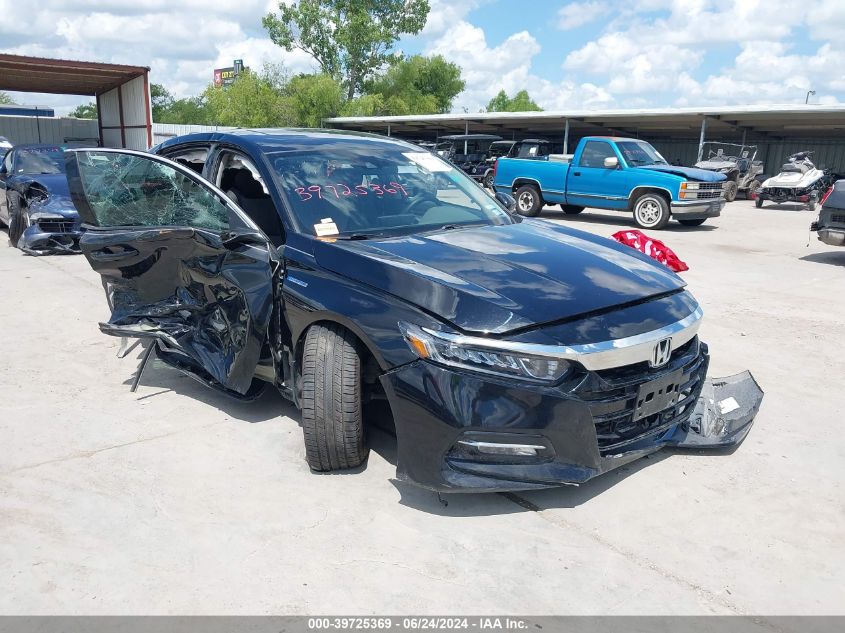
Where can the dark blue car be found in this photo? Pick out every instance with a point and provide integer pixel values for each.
(351, 271)
(35, 203)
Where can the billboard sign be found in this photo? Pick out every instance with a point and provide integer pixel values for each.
(227, 76)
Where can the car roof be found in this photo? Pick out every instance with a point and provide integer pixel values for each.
(37, 145)
(278, 139)
(471, 137)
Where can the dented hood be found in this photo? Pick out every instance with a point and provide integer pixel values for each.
(690, 173)
(501, 278)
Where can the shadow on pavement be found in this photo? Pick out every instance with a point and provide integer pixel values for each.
(621, 219)
(833, 258)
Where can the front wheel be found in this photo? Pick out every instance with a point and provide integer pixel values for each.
(528, 201)
(332, 419)
(18, 220)
(698, 222)
(730, 191)
(651, 211)
(753, 190)
(571, 209)
(758, 201)
(487, 182)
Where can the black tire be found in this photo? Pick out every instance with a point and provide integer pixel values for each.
(753, 189)
(529, 202)
(332, 420)
(651, 211)
(487, 181)
(17, 223)
(571, 209)
(730, 191)
(758, 201)
(698, 222)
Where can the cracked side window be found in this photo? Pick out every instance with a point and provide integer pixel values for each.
(129, 190)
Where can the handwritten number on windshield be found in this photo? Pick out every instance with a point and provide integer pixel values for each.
(340, 190)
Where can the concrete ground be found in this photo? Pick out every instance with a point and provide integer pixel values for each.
(175, 500)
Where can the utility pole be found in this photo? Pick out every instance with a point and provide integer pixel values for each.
(809, 92)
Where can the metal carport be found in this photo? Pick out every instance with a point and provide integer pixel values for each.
(122, 92)
(776, 129)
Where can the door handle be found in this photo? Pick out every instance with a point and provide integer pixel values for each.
(577, 173)
(108, 256)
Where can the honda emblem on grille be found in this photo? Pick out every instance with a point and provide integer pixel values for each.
(662, 353)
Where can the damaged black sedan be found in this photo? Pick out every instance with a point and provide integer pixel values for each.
(35, 202)
(345, 269)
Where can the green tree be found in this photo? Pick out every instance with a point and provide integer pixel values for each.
(161, 101)
(188, 111)
(521, 102)
(5, 99)
(417, 85)
(251, 101)
(312, 98)
(349, 39)
(85, 111)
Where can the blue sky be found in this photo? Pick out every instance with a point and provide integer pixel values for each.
(577, 54)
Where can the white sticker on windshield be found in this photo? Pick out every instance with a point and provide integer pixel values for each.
(325, 227)
(427, 161)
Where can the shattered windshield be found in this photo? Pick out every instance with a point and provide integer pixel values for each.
(40, 160)
(638, 154)
(131, 190)
(358, 190)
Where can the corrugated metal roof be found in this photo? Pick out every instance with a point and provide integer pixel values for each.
(63, 76)
(781, 121)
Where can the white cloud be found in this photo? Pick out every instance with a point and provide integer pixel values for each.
(485, 69)
(658, 59)
(576, 14)
(182, 42)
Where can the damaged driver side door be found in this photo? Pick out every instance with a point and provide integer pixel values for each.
(180, 263)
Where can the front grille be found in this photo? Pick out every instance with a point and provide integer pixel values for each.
(612, 398)
(709, 190)
(837, 217)
(57, 226)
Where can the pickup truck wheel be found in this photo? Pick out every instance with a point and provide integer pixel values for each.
(698, 222)
(730, 191)
(488, 180)
(571, 209)
(332, 420)
(758, 201)
(651, 211)
(528, 201)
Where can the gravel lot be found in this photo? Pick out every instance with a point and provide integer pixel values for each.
(175, 500)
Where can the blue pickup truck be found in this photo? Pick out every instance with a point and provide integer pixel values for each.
(622, 174)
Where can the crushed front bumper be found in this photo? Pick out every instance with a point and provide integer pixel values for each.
(459, 432)
(50, 236)
(697, 209)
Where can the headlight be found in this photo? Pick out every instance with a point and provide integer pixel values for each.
(690, 186)
(480, 355)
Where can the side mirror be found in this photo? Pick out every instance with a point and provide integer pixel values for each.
(506, 200)
(611, 162)
(233, 239)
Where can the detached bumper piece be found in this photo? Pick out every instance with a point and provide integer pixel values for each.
(723, 414)
(51, 237)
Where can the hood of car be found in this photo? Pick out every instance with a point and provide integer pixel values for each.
(501, 278)
(690, 173)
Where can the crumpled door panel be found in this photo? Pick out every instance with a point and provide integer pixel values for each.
(182, 286)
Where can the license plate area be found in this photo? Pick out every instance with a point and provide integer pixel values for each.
(658, 394)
